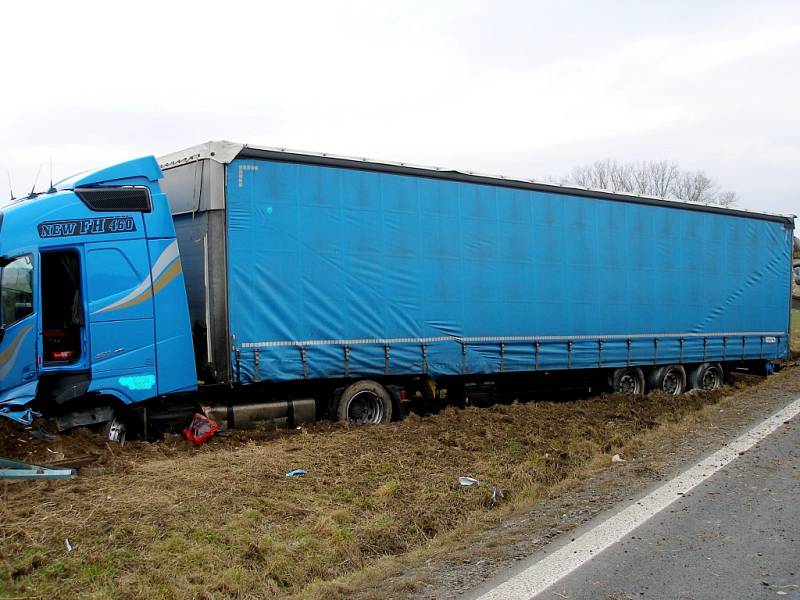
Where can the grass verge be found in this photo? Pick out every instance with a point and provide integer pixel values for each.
(225, 522)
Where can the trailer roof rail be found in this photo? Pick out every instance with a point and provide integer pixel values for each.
(225, 152)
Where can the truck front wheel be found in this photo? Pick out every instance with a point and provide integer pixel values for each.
(116, 429)
(364, 402)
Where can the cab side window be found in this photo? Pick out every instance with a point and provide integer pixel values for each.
(16, 290)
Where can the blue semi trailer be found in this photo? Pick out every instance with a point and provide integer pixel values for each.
(270, 285)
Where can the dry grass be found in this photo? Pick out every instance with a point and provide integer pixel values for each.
(795, 330)
(225, 522)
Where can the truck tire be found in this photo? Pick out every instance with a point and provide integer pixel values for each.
(364, 402)
(706, 376)
(670, 379)
(116, 429)
(628, 380)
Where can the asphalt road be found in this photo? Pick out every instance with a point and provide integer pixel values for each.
(734, 536)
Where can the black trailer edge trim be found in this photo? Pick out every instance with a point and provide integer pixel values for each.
(257, 153)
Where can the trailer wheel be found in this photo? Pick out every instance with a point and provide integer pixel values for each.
(628, 380)
(670, 379)
(706, 376)
(365, 402)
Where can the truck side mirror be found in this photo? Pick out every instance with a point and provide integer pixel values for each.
(2, 333)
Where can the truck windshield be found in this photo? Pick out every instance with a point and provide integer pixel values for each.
(16, 290)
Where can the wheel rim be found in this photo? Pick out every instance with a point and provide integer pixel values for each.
(365, 407)
(116, 431)
(671, 384)
(628, 384)
(710, 379)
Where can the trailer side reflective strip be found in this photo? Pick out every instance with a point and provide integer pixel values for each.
(771, 338)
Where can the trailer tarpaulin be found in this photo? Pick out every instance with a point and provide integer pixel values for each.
(348, 272)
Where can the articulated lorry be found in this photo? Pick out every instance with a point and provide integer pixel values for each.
(276, 286)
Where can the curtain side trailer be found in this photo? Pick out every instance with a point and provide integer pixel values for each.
(319, 272)
(270, 286)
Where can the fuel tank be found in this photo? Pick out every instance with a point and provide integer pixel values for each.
(272, 415)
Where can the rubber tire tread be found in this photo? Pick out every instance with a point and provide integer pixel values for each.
(656, 376)
(618, 373)
(359, 386)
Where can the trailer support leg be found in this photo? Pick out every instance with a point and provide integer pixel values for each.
(303, 352)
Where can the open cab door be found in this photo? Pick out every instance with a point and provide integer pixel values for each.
(18, 370)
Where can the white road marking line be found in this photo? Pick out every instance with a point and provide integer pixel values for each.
(541, 575)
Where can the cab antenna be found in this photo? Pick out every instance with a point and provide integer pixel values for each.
(51, 189)
(10, 189)
(36, 179)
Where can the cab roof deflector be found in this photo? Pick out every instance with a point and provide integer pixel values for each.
(145, 167)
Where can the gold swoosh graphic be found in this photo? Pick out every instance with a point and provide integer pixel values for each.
(168, 275)
(143, 291)
(11, 351)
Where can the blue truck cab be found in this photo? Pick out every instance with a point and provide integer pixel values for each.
(93, 313)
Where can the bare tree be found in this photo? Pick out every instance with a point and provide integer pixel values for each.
(662, 179)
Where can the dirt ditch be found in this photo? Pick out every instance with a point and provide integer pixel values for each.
(166, 520)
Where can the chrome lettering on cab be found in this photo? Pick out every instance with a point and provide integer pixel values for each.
(90, 226)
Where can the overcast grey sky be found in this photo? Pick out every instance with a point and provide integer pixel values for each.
(517, 88)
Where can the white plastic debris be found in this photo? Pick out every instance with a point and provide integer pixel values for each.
(68, 545)
(497, 495)
(467, 481)
(617, 458)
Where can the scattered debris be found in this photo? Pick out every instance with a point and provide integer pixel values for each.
(75, 463)
(617, 458)
(200, 429)
(23, 471)
(295, 472)
(496, 497)
(468, 481)
(68, 545)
